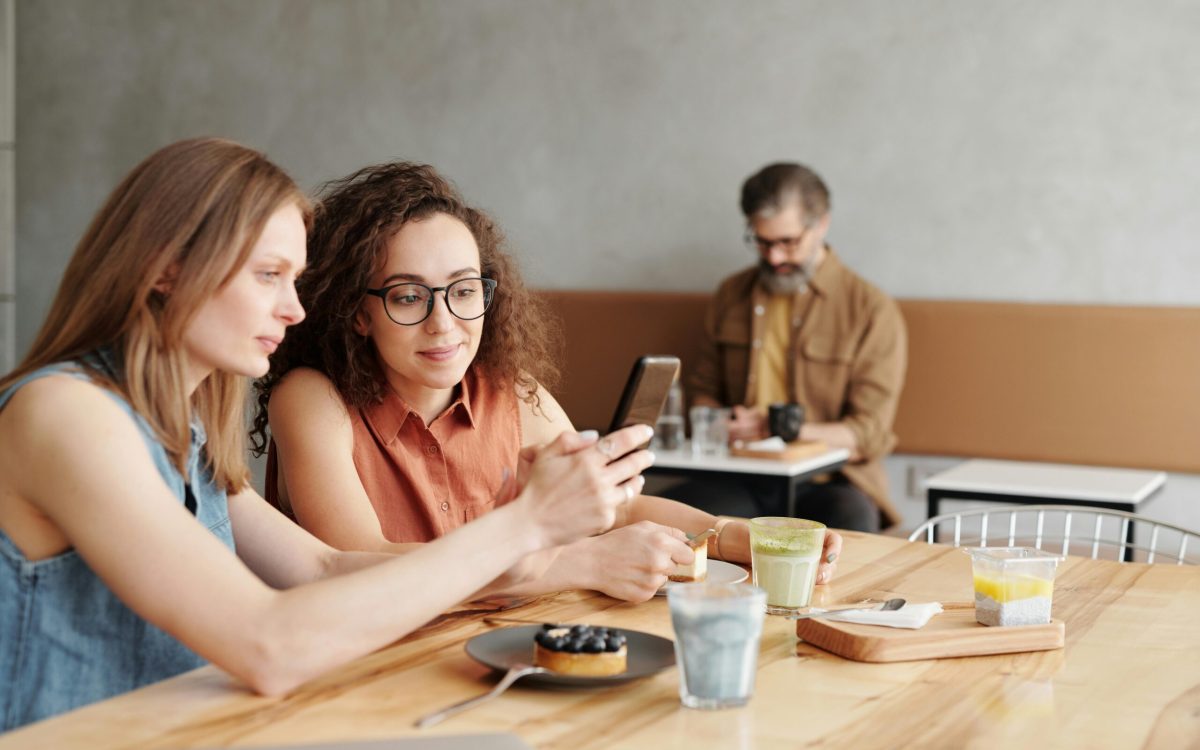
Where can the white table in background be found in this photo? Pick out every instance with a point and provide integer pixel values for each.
(790, 473)
(1034, 483)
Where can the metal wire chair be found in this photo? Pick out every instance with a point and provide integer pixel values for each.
(1079, 530)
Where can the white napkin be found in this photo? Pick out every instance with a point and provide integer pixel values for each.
(773, 443)
(911, 616)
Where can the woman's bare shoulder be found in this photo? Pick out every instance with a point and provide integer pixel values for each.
(543, 419)
(305, 378)
(54, 401)
(60, 422)
(305, 385)
(307, 395)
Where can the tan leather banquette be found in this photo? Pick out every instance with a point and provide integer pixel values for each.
(1087, 384)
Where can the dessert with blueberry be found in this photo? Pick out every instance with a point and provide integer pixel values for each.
(586, 650)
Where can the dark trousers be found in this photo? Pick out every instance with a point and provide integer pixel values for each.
(836, 503)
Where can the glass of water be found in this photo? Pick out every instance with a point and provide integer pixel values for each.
(710, 430)
(717, 631)
(668, 431)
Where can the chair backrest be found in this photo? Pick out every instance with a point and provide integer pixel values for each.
(1067, 529)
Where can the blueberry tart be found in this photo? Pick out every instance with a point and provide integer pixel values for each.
(585, 650)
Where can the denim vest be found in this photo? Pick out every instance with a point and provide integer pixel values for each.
(65, 638)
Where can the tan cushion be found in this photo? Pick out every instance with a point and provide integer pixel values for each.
(606, 331)
(1090, 384)
(1112, 386)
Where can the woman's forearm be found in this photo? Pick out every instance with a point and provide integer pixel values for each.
(734, 542)
(546, 572)
(309, 629)
(341, 562)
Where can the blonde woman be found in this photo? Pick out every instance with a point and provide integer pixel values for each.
(131, 546)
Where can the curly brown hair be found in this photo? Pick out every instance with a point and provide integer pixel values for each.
(355, 219)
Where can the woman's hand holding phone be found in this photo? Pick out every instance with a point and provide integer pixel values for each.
(573, 487)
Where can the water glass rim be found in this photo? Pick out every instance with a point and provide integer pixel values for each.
(699, 589)
(786, 522)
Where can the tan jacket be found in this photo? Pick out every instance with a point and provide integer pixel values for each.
(848, 354)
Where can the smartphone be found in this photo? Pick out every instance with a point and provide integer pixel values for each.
(645, 391)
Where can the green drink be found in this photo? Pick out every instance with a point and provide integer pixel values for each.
(785, 553)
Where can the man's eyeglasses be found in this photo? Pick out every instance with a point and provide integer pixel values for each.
(409, 303)
(764, 245)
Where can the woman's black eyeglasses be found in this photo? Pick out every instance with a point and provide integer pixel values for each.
(410, 303)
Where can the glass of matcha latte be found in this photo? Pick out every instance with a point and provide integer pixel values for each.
(785, 554)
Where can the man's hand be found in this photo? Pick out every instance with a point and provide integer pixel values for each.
(632, 562)
(747, 424)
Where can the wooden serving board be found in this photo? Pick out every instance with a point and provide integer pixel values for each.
(794, 451)
(951, 633)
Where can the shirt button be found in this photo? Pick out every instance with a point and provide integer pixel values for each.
(431, 449)
(445, 506)
(758, 310)
(757, 344)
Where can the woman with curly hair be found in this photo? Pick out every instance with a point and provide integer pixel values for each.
(400, 404)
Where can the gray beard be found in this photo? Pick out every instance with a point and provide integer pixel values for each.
(782, 283)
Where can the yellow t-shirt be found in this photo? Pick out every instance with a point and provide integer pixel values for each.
(772, 385)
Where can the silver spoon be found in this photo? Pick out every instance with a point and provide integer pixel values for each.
(887, 606)
(514, 673)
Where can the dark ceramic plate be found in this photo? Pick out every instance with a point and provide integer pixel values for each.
(502, 648)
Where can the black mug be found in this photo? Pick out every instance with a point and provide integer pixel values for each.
(785, 420)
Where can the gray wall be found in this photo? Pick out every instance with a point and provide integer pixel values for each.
(1016, 150)
(1021, 150)
(8, 273)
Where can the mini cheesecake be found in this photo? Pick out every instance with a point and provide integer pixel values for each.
(583, 650)
(698, 570)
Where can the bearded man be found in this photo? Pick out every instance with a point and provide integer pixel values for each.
(801, 327)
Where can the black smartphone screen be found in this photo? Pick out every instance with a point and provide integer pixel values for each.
(645, 391)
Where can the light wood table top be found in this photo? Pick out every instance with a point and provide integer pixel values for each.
(1128, 677)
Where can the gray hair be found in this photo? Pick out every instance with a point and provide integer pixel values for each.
(776, 186)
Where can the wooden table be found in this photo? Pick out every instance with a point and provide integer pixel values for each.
(1128, 677)
(791, 473)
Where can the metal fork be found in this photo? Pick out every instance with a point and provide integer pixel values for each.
(514, 673)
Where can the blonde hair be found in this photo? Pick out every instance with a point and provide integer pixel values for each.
(188, 216)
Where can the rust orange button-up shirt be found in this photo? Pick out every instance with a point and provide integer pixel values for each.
(427, 481)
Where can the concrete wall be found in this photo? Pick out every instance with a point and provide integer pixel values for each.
(1011, 151)
(8, 256)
